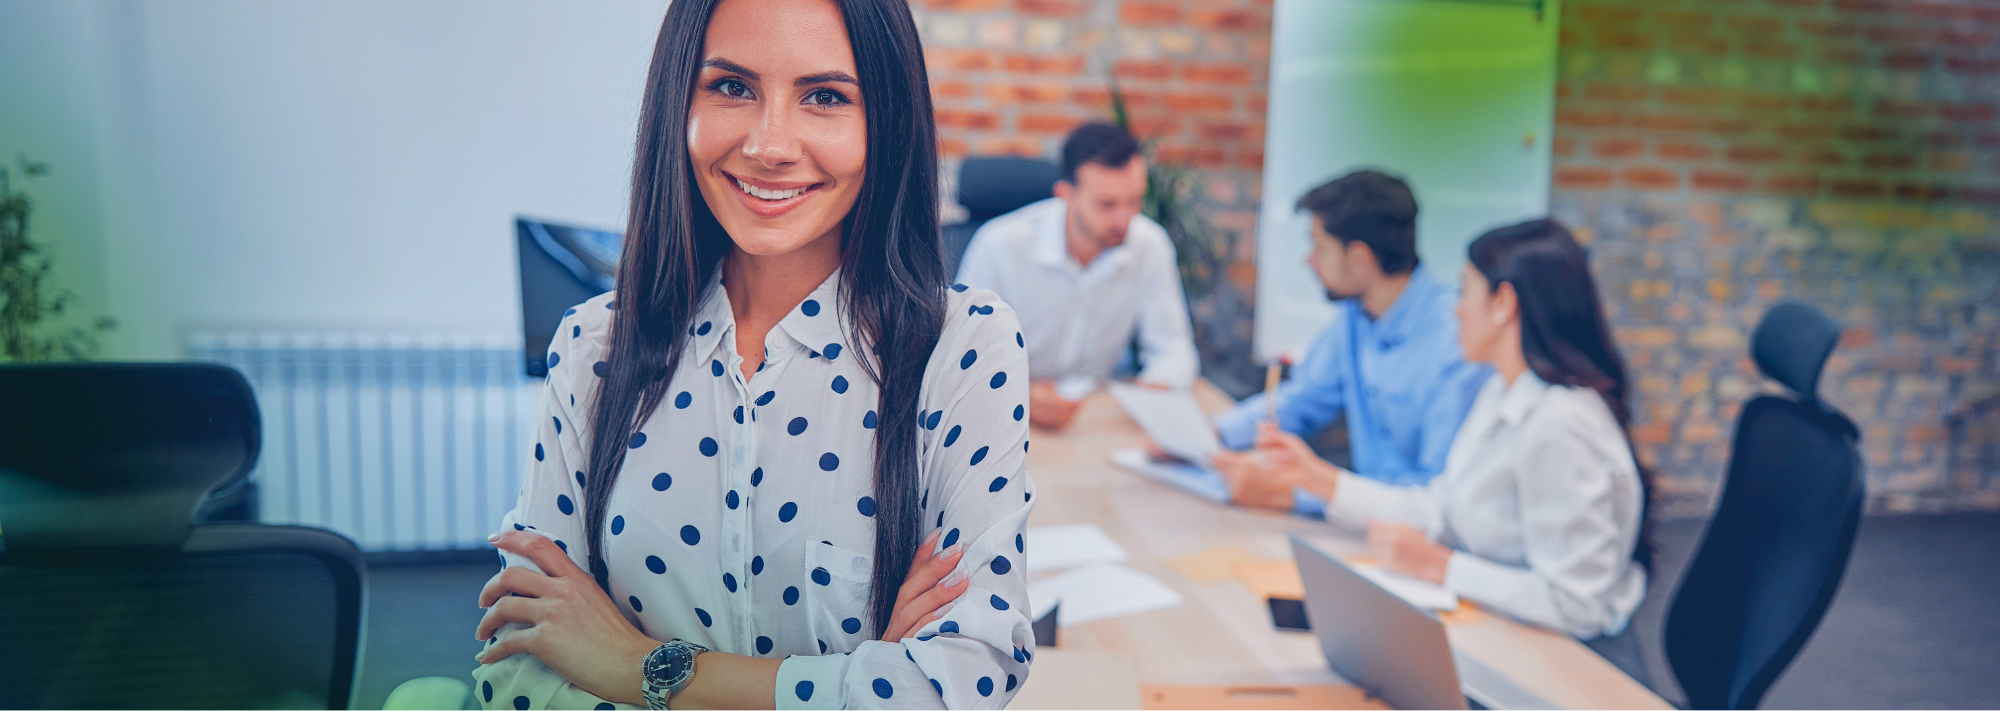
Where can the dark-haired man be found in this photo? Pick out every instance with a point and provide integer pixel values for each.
(1086, 274)
(1389, 360)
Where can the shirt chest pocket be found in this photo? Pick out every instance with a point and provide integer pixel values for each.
(837, 596)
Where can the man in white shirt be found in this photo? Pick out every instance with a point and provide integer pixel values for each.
(1086, 273)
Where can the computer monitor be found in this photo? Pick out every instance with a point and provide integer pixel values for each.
(561, 266)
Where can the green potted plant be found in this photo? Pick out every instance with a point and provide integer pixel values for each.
(31, 304)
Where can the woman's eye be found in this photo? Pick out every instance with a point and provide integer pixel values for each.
(825, 97)
(731, 88)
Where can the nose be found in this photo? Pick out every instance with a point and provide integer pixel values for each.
(772, 140)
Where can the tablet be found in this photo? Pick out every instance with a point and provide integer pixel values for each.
(1171, 418)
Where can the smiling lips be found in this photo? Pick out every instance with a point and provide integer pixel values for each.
(772, 201)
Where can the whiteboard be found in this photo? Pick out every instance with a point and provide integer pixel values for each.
(1455, 97)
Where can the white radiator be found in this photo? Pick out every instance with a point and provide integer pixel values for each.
(400, 443)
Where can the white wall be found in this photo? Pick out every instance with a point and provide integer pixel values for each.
(316, 165)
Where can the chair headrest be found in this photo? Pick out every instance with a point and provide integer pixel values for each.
(1791, 345)
(989, 186)
(113, 458)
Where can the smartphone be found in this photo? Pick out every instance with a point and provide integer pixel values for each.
(1289, 615)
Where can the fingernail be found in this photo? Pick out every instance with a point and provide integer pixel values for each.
(954, 551)
(493, 538)
(954, 578)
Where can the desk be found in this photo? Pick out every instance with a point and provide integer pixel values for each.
(1223, 634)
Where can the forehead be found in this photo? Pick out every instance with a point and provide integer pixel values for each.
(789, 37)
(1094, 175)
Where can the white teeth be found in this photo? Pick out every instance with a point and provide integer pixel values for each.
(758, 192)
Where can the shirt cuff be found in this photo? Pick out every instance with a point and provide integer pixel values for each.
(1308, 504)
(1357, 499)
(811, 682)
(1238, 427)
(1477, 578)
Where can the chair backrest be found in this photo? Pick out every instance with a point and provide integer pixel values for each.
(991, 186)
(115, 598)
(1779, 540)
(560, 266)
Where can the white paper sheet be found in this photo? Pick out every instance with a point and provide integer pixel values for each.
(1101, 592)
(1058, 547)
(1171, 418)
(1420, 593)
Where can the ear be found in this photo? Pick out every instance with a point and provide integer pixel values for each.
(1506, 300)
(1065, 190)
(1362, 256)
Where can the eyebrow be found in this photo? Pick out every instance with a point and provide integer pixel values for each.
(807, 80)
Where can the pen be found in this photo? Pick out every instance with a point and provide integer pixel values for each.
(1271, 374)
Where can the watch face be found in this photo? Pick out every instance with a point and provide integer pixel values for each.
(677, 665)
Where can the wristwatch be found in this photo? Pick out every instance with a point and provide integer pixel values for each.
(666, 670)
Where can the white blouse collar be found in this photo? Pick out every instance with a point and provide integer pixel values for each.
(1521, 397)
(816, 323)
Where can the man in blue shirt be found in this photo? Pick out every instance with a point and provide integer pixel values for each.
(1389, 359)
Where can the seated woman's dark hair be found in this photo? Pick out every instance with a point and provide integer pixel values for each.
(1564, 335)
(892, 286)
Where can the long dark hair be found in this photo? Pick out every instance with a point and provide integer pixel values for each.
(1564, 335)
(892, 287)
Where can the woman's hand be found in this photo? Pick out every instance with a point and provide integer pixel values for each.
(573, 627)
(929, 591)
(1406, 550)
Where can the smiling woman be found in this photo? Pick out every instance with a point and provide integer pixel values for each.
(757, 544)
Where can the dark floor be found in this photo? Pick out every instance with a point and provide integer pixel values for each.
(1916, 623)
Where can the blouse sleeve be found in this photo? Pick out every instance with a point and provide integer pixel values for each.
(551, 505)
(1358, 499)
(973, 455)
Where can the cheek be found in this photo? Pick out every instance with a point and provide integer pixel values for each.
(842, 151)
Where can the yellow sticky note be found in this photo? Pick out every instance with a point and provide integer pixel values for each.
(1210, 566)
(1270, 578)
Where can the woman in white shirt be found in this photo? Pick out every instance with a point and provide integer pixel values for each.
(1539, 510)
(788, 450)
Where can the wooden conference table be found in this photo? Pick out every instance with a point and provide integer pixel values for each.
(1220, 650)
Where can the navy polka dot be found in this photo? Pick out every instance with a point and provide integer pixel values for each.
(661, 481)
(828, 462)
(986, 310)
(603, 706)
(683, 400)
(787, 512)
(868, 420)
(617, 525)
(563, 546)
(998, 604)
(558, 424)
(1019, 411)
(950, 538)
(579, 480)
(966, 360)
(840, 384)
(576, 332)
(763, 645)
(933, 422)
(882, 689)
(715, 368)
(739, 414)
(653, 563)
(1019, 545)
(998, 380)
(796, 427)
(1019, 656)
(999, 482)
(979, 455)
(805, 688)
(571, 311)
(601, 368)
(638, 440)
(820, 576)
(611, 305)
(866, 505)
(851, 625)
(636, 607)
(756, 476)
(1001, 565)
(708, 447)
(809, 308)
(938, 687)
(706, 326)
(952, 436)
(690, 535)
(486, 689)
(706, 621)
(553, 360)
(521, 702)
(985, 686)
(832, 351)
(729, 581)
(973, 309)
(1011, 681)
(731, 499)
(1019, 342)
(757, 565)
(791, 596)
(538, 451)
(765, 399)
(822, 645)
(960, 288)
(949, 627)
(563, 504)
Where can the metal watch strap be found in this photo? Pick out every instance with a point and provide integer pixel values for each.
(666, 670)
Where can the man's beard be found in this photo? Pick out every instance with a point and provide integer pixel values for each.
(1336, 296)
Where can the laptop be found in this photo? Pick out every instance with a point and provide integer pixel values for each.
(1394, 650)
(1176, 424)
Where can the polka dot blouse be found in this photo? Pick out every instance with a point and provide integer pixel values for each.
(743, 518)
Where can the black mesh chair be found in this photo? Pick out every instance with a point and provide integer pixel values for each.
(115, 598)
(991, 186)
(1774, 552)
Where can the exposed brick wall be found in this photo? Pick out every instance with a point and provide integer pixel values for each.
(1725, 155)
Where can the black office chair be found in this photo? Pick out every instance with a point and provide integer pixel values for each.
(560, 266)
(991, 186)
(1778, 543)
(113, 596)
